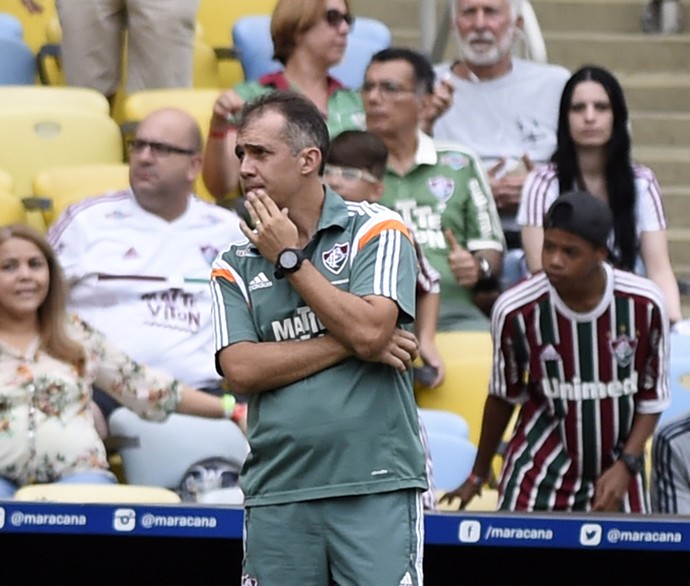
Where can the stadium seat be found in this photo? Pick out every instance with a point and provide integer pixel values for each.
(198, 102)
(32, 139)
(442, 421)
(10, 26)
(12, 210)
(6, 182)
(17, 62)
(215, 20)
(160, 453)
(679, 377)
(64, 185)
(467, 357)
(452, 457)
(96, 493)
(33, 25)
(254, 47)
(40, 96)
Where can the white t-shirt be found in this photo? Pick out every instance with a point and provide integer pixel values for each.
(144, 281)
(509, 116)
(541, 190)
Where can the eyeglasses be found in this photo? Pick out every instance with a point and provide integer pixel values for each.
(335, 18)
(160, 149)
(350, 174)
(388, 89)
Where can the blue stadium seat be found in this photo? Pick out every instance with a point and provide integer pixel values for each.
(10, 26)
(452, 457)
(17, 62)
(251, 37)
(442, 421)
(679, 375)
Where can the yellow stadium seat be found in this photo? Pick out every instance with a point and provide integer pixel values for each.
(32, 139)
(42, 96)
(198, 102)
(66, 185)
(96, 493)
(11, 209)
(467, 357)
(6, 182)
(35, 25)
(216, 18)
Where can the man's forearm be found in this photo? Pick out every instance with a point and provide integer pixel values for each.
(265, 366)
(364, 325)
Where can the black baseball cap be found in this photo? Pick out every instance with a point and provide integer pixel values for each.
(582, 214)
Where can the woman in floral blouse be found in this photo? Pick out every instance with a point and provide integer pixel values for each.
(48, 364)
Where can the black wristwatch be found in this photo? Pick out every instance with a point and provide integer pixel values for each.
(289, 261)
(634, 464)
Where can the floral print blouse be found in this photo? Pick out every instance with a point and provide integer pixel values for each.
(47, 429)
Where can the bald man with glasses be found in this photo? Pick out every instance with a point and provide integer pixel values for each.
(139, 260)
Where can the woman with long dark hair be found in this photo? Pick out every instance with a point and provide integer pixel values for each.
(593, 154)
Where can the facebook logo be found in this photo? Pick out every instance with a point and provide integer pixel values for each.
(470, 531)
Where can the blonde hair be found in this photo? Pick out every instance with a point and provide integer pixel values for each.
(291, 18)
(52, 315)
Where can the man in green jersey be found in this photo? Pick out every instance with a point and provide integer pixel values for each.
(312, 318)
(439, 190)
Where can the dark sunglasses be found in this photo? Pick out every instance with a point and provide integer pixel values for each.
(138, 145)
(335, 18)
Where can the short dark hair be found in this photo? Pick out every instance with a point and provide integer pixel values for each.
(304, 125)
(360, 149)
(424, 75)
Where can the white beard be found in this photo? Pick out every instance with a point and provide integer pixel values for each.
(491, 55)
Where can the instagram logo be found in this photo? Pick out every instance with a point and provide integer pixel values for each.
(470, 531)
(2, 517)
(124, 520)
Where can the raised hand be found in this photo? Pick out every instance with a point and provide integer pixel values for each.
(462, 262)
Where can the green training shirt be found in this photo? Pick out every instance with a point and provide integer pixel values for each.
(350, 429)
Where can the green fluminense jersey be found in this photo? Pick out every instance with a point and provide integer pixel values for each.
(345, 109)
(447, 188)
(349, 429)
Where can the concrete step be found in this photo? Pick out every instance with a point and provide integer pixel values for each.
(677, 204)
(634, 52)
(661, 91)
(611, 16)
(679, 248)
(671, 164)
(661, 128)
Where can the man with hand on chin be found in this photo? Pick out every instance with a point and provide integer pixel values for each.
(582, 348)
(313, 316)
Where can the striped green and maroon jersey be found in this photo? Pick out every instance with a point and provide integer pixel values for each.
(579, 378)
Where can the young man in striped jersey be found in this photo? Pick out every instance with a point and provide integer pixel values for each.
(313, 316)
(671, 467)
(583, 350)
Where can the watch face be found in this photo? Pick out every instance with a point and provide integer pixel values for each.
(288, 259)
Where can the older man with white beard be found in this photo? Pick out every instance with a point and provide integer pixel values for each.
(504, 108)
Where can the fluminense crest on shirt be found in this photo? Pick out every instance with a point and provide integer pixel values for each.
(442, 187)
(248, 580)
(623, 348)
(335, 258)
(455, 161)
